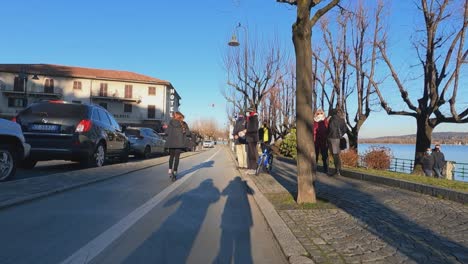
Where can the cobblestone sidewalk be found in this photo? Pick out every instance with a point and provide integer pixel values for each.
(372, 223)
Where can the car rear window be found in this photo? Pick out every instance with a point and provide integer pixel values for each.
(58, 110)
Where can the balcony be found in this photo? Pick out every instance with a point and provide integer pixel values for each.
(38, 94)
(113, 96)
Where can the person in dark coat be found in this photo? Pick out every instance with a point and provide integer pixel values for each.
(238, 133)
(177, 131)
(320, 137)
(251, 137)
(428, 162)
(439, 161)
(336, 130)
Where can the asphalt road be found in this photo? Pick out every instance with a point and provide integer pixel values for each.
(207, 216)
(44, 168)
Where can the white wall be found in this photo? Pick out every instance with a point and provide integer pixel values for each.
(64, 86)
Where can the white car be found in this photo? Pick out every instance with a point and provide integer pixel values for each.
(13, 148)
(208, 144)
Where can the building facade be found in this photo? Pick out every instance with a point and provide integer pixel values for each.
(134, 99)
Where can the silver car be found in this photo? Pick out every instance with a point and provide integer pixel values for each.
(144, 142)
(13, 148)
(208, 144)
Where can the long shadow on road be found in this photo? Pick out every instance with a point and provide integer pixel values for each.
(235, 245)
(418, 243)
(174, 239)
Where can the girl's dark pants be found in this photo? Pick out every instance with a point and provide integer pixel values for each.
(174, 155)
(323, 150)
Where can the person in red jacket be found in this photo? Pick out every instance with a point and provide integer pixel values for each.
(320, 137)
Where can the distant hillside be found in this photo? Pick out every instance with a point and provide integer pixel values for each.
(437, 137)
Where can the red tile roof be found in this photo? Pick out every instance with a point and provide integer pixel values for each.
(79, 72)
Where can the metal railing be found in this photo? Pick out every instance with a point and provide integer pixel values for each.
(401, 165)
(459, 170)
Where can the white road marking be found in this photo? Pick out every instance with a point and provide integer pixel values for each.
(91, 250)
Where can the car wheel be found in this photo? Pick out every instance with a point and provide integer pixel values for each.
(147, 152)
(27, 163)
(97, 158)
(7, 162)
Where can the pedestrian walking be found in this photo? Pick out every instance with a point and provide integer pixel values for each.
(428, 162)
(336, 130)
(240, 142)
(251, 137)
(320, 138)
(264, 135)
(439, 161)
(177, 132)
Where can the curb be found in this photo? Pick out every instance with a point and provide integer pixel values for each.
(439, 192)
(292, 248)
(25, 190)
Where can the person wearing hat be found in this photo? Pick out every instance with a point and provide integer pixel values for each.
(239, 140)
(439, 161)
(251, 137)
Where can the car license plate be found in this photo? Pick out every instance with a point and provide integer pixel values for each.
(46, 128)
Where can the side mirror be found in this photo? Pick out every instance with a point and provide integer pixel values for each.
(124, 127)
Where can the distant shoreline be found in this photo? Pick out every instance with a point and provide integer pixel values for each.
(396, 143)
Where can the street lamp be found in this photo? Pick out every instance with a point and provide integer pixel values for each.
(234, 43)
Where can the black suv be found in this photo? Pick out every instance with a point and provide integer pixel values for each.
(59, 130)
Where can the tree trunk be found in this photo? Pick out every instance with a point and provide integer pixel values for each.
(423, 141)
(304, 123)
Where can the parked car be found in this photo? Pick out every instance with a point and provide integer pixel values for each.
(208, 144)
(144, 141)
(13, 148)
(60, 130)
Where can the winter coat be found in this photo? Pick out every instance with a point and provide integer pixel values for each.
(427, 162)
(439, 159)
(321, 133)
(238, 127)
(336, 127)
(176, 138)
(252, 129)
(261, 134)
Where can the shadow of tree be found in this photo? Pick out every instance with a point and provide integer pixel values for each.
(409, 238)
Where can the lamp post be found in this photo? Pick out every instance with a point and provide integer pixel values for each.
(234, 43)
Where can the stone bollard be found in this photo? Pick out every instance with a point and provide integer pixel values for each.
(449, 167)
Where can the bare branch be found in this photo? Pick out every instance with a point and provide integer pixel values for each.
(403, 91)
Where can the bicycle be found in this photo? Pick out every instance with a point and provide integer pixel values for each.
(265, 161)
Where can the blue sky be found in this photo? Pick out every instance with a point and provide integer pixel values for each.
(179, 41)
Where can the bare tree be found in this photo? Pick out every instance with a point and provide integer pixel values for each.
(301, 31)
(207, 128)
(353, 46)
(278, 107)
(442, 57)
(252, 76)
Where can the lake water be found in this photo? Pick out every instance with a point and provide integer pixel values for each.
(455, 153)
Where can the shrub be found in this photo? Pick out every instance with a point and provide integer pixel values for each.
(378, 158)
(288, 146)
(349, 158)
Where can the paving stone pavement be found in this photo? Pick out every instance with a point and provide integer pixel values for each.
(372, 223)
